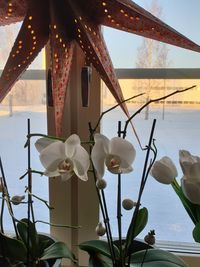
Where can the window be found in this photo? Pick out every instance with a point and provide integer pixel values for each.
(27, 99)
(177, 117)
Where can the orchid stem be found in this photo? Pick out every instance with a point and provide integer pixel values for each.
(143, 180)
(119, 213)
(102, 203)
(7, 194)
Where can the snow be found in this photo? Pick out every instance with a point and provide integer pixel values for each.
(179, 130)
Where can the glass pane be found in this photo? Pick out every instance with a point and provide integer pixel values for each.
(182, 15)
(177, 128)
(27, 99)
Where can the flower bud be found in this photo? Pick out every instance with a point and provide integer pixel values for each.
(164, 170)
(1, 185)
(100, 229)
(16, 200)
(101, 184)
(128, 204)
(150, 238)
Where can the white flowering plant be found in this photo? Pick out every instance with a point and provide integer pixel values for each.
(188, 190)
(69, 158)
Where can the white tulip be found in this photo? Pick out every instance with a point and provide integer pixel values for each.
(64, 159)
(116, 154)
(190, 182)
(164, 170)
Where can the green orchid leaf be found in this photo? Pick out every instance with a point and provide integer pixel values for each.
(58, 250)
(196, 232)
(156, 258)
(13, 249)
(99, 246)
(138, 224)
(99, 260)
(23, 227)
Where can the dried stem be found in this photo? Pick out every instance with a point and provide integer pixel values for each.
(152, 101)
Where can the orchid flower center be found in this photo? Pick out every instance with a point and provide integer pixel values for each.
(66, 166)
(113, 163)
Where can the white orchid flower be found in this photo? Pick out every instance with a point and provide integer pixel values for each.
(64, 158)
(116, 154)
(190, 182)
(164, 170)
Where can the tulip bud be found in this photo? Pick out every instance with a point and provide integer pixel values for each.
(16, 200)
(128, 204)
(100, 229)
(101, 184)
(191, 189)
(164, 170)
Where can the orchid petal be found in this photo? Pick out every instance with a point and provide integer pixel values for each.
(98, 157)
(70, 145)
(124, 149)
(52, 174)
(43, 142)
(104, 141)
(81, 162)
(66, 176)
(52, 155)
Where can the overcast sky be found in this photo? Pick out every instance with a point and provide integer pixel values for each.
(183, 15)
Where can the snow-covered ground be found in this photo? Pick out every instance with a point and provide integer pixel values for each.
(179, 130)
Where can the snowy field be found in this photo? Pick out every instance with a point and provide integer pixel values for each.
(179, 130)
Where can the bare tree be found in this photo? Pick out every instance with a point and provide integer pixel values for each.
(152, 54)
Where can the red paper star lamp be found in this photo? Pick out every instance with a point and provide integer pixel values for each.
(65, 22)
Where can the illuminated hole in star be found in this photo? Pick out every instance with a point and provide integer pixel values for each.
(30, 53)
(57, 36)
(122, 11)
(126, 15)
(60, 40)
(10, 10)
(109, 16)
(9, 14)
(34, 37)
(17, 52)
(131, 18)
(20, 46)
(112, 20)
(54, 26)
(137, 18)
(106, 10)
(103, 3)
(29, 26)
(9, 4)
(32, 32)
(20, 42)
(78, 30)
(24, 62)
(80, 18)
(35, 43)
(30, 17)
(64, 45)
(33, 48)
(85, 26)
(153, 29)
(13, 55)
(19, 65)
(75, 21)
